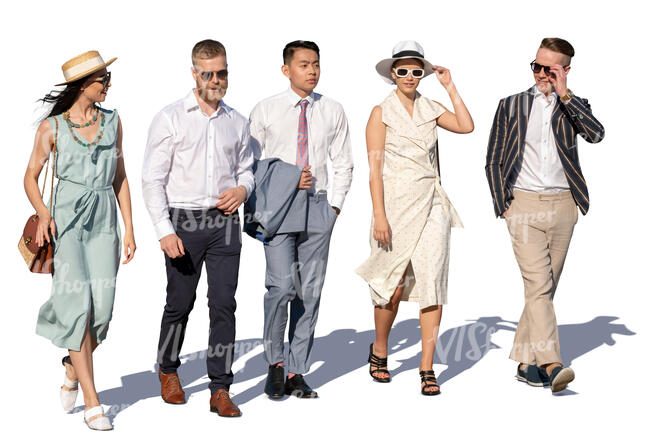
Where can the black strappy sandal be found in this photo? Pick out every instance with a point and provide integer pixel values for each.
(428, 377)
(380, 365)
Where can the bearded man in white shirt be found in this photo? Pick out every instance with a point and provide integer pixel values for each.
(304, 128)
(197, 172)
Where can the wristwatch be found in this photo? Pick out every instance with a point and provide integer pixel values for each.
(567, 96)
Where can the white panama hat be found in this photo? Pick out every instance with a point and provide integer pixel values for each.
(406, 49)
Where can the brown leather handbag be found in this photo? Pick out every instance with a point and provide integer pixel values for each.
(39, 259)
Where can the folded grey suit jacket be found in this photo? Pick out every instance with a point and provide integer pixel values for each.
(276, 205)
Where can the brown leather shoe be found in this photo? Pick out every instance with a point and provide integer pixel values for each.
(170, 388)
(221, 404)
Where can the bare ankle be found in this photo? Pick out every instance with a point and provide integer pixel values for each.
(379, 349)
(70, 373)
(91, 403)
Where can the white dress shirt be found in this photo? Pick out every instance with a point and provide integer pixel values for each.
(274, 133)
(192, 158)
(541, 170)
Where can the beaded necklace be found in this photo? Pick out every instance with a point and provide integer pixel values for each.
(66, 116)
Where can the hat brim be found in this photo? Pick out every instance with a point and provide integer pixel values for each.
(383, 67)
(87, 72)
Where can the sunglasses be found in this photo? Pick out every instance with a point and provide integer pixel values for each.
(404, 72)
(207, 76)
(538, 68)
(105, 80)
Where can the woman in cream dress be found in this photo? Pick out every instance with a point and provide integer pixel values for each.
(412, 214)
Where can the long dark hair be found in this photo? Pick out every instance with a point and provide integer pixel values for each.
(62, 100)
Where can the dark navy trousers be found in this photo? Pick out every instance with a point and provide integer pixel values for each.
(212, 238)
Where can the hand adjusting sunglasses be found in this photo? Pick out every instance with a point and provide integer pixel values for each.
(207, 76)
(536, 68)
(404, 72)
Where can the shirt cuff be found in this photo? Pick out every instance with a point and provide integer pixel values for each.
(337, 201)
(164, 228)
(248, 187)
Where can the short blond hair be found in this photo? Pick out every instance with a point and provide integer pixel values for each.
(207, 49)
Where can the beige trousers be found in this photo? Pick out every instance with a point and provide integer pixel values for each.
(540, 227)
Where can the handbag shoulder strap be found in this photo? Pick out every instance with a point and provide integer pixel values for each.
(56, 133)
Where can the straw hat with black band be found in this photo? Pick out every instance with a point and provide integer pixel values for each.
(83, 65)
(406, 49)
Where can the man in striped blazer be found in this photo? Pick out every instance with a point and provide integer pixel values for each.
(536, 184)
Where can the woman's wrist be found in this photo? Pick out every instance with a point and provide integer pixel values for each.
(43, 212)
(454, 95)
(451, 87)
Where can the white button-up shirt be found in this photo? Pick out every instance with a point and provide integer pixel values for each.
(274, 133)
(192, 158)
(541, 170)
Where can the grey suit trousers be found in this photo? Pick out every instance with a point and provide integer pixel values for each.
(295, 273)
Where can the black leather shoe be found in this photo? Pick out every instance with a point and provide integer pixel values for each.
(297, 387)
(274, 387)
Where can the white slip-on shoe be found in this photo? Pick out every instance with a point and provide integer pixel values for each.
(101, 423)
(68, 397)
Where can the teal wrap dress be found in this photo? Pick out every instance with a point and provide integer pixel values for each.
(87, 239)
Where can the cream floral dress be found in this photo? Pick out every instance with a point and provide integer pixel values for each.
(417, 208)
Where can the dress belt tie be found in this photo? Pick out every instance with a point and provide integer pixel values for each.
(86, 206)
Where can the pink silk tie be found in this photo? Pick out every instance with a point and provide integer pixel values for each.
(302, 154)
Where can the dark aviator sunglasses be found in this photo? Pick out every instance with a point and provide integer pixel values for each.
(207, 76)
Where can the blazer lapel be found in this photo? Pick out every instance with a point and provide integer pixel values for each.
(524, 106)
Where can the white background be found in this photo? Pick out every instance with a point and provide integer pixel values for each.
(487, 46)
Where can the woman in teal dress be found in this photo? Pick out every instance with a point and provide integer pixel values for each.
(83, 228)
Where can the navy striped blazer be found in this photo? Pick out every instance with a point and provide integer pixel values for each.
(507, 140)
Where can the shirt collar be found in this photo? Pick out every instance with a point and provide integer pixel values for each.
(295, 99)
(190, 103)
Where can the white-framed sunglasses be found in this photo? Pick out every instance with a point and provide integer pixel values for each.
(402, 72)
